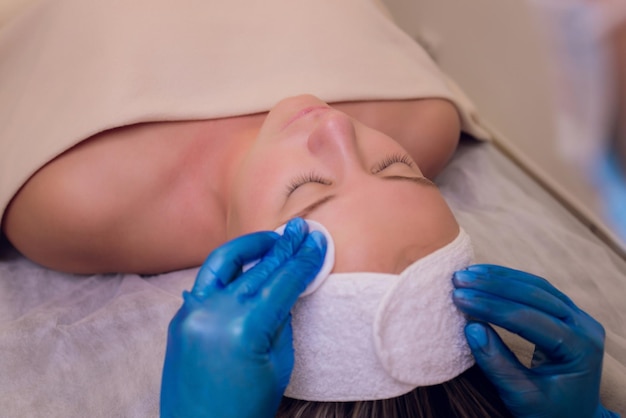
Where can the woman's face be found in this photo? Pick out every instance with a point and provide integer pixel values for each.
(312, 161)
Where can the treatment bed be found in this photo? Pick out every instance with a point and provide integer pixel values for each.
(93, 346)
(75, 346)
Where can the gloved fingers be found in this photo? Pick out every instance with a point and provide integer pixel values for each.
(535, 292)
(225, 262)
(539, 358)
(523, 292)
(497, 361)
(282, 352)
(283, 249)
(293, 236)
(506, 273)
(553, 336)
(588, 337)
(277, 295)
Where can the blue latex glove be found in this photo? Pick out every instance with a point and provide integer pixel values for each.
(564, 377)
(229, 348)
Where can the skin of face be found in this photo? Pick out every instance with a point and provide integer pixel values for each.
(313, 161)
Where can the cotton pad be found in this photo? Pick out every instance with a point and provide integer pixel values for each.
(329, 259)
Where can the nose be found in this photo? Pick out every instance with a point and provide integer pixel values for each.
(334, 142)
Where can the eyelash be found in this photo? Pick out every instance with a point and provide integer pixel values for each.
(313, 177)
(392, 159)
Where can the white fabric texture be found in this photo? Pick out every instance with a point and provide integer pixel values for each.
(368, 336)
(73, 68)
(93, 346)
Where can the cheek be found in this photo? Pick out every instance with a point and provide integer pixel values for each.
(255, 195)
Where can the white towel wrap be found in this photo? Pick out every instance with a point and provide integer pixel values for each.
(367, 336)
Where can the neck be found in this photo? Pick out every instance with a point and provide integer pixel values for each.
(227, 141)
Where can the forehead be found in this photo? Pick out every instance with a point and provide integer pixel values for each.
(384, 229)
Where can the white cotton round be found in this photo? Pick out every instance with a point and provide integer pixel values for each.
(329, 259)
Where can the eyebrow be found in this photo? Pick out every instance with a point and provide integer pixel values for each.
(423, 181)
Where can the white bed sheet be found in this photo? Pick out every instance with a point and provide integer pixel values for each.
(76, 346)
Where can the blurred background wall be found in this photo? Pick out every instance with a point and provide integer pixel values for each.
(494, 51)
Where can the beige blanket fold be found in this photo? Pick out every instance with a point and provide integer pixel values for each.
(73, 68)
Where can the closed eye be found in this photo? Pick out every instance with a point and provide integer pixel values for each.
(391, 160)
(313, 177)
(310, 177)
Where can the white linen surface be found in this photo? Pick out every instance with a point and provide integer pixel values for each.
(76, 346)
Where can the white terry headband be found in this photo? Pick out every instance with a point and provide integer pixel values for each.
(368, 336)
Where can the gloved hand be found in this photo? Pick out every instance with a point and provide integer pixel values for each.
(229, 348)
(564, 377)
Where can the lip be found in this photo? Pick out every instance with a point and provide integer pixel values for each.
(304, 112)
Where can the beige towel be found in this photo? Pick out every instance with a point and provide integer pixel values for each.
(73, 68)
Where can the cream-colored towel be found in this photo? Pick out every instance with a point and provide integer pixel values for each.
(73, 68)
(11, 8)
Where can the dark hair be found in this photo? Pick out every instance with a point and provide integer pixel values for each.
(469, 395)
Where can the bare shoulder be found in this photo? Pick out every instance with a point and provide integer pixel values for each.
(429, 129)
(126, 200)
